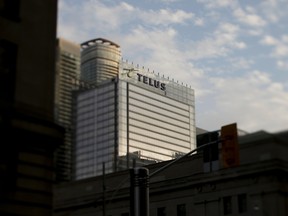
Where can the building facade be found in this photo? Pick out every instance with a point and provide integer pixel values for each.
(29, 135)
(67, 78)
(257, 186)
(132, 116)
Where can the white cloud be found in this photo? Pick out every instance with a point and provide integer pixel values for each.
(282, 65)
(280, 46)
(218, 3)
(169, 1)
(274, 10)
(199, 22)
(249, 18)
(160, 53)
(79, 21)
(152, 38)
(269, 40)
(255, 32)
(284, 38)
(222, 41)
(107, 17)
(246, 100)
(281, 50)
(165, 16)
(241, 63)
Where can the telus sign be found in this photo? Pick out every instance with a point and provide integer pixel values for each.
(149, 81)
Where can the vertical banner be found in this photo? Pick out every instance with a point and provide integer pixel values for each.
(230, 147)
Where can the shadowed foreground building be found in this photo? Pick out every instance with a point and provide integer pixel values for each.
(28, 133)
(259, 186)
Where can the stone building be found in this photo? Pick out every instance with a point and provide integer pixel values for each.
(258, 186)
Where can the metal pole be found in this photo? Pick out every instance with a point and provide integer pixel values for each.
(104, 189)
(139, 191)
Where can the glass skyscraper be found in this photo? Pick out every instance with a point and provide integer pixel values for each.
(132, 117)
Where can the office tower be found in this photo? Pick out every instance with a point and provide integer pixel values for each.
(29, 135)
(67, 76)
(135, 117)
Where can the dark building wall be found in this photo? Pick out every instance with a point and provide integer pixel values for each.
(31, 39)
(28, 135)
(258, 186)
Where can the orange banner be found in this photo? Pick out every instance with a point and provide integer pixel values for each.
(230, 147)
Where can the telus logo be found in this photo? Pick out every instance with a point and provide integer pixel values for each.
(149, 81)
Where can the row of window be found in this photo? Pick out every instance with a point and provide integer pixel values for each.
(157, 99)
(175, 113)
(156, 135)
(181, 209)
(90, 165)
(101, 101)
(241, 204)
(158, 146)
(163, 128)
(92, 135)
(162, 211)
(142, 114)
(103, 155)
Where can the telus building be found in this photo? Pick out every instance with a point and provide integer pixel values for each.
(131, 116)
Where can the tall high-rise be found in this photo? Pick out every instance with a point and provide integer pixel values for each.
(67, 76)
(132, 116)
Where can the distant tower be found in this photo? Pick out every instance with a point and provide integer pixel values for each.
(67, 76)
(100, 60)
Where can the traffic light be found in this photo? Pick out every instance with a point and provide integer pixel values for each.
(230, 147)
(210, 152)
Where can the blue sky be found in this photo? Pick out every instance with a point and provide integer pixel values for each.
(234, 54)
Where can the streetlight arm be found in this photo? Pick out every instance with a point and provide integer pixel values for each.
(179, 158)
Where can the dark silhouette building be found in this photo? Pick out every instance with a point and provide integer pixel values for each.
(29, 135)
(257, 186)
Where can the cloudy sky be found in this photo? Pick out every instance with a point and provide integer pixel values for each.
(234, 54)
